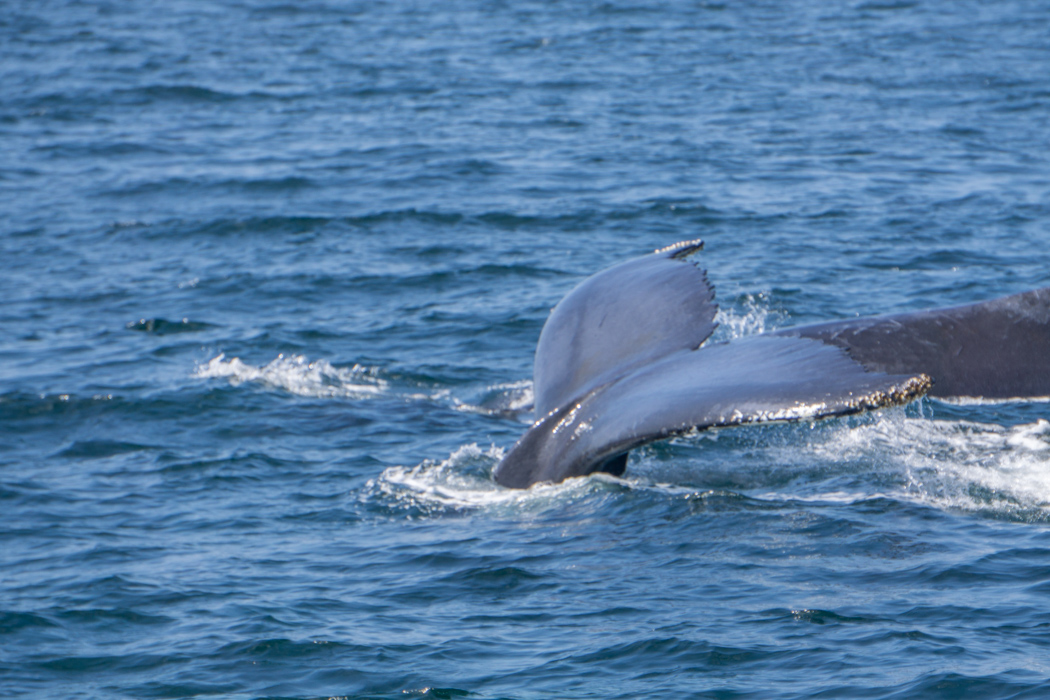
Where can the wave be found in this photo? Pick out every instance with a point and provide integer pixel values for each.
(513, 398)
(946, 464)
(982, 401)
(949, 465)
(320, 379)
(463, 482)
(962, 464)
(298, 376)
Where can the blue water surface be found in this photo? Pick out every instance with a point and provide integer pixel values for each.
(271, 277)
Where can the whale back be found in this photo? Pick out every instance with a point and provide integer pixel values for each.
(997, 349)
(622, 318)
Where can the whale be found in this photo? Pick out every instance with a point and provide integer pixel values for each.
(625, 359)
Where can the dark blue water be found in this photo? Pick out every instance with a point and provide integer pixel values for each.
(271, 276)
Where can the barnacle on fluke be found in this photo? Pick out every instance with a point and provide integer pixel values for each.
(623, 361)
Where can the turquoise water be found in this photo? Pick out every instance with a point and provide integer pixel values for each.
(271, 280)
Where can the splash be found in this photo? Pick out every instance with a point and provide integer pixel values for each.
(460, 480)
(501, 399)
(298, 376)
(954, 464)
(948, 465)
(463, 482)
(754, 316)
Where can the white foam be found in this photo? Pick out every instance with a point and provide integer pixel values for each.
(944, 464)
(298, 376)
(463, 481)
(511, 397)
(521, 396)
(953, 464)
(445, 483)
(825, 497)
(754, 317)
(949, 465)
(982, 401)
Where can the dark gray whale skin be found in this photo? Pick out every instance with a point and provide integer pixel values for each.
(622, 361)
(997, 349)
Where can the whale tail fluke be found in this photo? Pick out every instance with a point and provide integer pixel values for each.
(623, 317)
(620, 364)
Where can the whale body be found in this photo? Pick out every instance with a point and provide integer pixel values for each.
(623, 361)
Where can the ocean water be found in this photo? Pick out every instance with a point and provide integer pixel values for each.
(271, 277)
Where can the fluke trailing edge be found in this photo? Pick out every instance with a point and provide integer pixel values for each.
(622, 362)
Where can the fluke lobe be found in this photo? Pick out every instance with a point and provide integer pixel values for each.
(621, 362)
